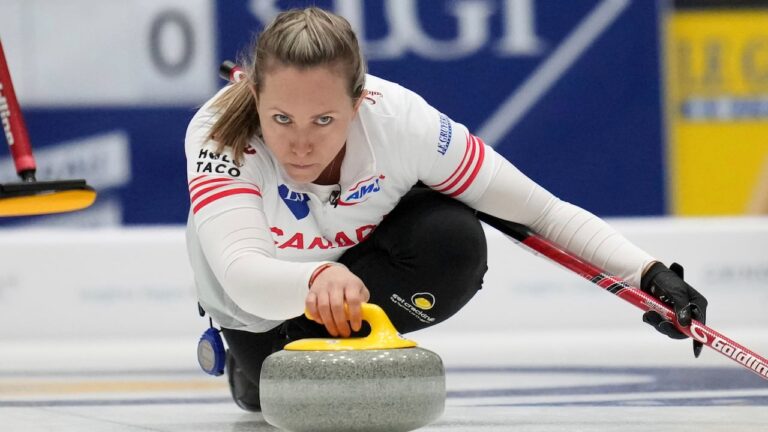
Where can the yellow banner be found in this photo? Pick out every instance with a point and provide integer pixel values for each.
(717, 111)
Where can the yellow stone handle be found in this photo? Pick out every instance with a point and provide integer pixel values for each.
(383, 336)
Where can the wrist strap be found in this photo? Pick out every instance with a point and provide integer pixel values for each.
(317, 272)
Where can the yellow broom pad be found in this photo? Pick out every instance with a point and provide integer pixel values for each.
(46, 203)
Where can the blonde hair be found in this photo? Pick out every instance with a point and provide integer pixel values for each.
(302, 38)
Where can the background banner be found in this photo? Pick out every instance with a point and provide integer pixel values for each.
(568, 91)
(717, 107)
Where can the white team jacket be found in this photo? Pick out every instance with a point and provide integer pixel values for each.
(254, 237)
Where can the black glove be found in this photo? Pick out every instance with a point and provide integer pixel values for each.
(667, 285)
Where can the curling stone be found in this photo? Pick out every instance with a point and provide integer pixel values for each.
(381, 382)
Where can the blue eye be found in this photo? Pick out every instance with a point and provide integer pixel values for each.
(281, 118)
(324, 120)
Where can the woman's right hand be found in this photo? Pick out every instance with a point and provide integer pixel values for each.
(330, 290)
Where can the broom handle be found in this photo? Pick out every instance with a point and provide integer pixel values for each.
(613, 284)
(13, 124)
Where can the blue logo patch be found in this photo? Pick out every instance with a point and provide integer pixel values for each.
(298, 203)
(446, 131)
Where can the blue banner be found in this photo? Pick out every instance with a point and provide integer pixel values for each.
(568, 91)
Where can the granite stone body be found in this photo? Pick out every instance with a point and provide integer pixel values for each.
(357, 390)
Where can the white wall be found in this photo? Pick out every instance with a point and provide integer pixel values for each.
(92, 52)
(135, 283)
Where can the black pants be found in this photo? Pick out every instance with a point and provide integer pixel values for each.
(422, 264)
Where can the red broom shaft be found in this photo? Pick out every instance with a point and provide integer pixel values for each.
(13, 123)
(646, 302)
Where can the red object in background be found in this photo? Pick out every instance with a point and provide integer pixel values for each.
(13, 124)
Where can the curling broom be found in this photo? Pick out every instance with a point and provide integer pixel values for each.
(31, 197)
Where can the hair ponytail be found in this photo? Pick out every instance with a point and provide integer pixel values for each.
(239, 119)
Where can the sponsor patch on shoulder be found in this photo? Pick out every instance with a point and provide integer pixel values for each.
(446, 131)
(210, 162)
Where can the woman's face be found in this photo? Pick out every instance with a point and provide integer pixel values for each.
(305, 115)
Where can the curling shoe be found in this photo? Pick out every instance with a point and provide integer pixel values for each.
(244, 392)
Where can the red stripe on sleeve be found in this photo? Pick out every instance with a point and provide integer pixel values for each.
(213, 180)
(223, 194)
(200, 177)
(481, 145)
(463, 159)
(201, 192)
(465, 168)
